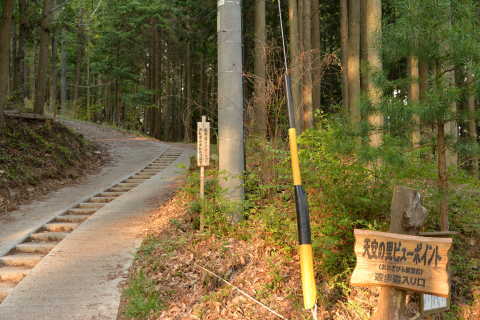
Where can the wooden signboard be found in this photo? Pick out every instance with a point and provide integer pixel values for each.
(203, 143)
(402, 261)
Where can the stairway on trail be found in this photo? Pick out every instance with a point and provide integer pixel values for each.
(16, 264)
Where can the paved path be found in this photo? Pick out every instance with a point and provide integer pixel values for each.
(128, 153)
(79, 278)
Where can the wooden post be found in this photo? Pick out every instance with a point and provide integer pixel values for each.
(202, 198)
(203, 160)
(407, 217)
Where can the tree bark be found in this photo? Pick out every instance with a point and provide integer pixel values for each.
(53, 78)
(63, 77)
(442, 161)
(295, 63)
(21, 83)
(307, 70)
(5, 33)
(43, 60)
(260, 108)
(187, 136)
(354, 62)
(472, 121)
(78, 65)
(230, 102)
(344, 43)
(364, 74)
(374, 33)
(451, 127)
(414, 97)
(316, 55)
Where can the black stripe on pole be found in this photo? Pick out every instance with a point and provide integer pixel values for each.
(303, 216)
(290, 103)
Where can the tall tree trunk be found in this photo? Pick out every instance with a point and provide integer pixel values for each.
(63, 76)
(21, 83)
(451, 127)
(230, 102)
(442, 175)
(472, 121)
(53, 78)
(414, 97)
(344, 42)
(307, 70)
(295, 63)
(187, 136)
(260, 108)
(78, 65)
(13, 60)
(354, 62)
(364, 74)
(374, 33)
(5, 27)
(316, 55)
(43, 59)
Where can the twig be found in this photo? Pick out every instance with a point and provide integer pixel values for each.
(243, 292)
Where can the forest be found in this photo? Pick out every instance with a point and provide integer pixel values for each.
(385, 93)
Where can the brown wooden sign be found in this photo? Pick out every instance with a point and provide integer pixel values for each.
(402, 261)
(203, 143)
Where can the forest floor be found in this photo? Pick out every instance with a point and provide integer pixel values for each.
(168, 280)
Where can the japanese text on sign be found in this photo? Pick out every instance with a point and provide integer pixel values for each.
(409, 262)
(203, 144)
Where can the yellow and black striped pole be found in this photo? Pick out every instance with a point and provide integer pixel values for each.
(303, 216)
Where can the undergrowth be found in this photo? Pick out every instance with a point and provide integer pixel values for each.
(348, 189)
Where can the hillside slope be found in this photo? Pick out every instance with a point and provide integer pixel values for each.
(37, 156)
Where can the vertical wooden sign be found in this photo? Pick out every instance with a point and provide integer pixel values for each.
(203, 143)
(203, 160)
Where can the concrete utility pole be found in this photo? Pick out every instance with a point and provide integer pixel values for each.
(230, 100)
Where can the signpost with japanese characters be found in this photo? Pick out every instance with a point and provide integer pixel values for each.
(203, 143)
(402, 261)
(203, 160)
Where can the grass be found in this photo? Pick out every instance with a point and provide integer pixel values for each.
(143, 298)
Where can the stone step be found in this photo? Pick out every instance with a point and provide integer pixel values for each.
(143, 176)
(120, 189)
(71, 218)
(21, 260)
(81, 211)
(127, 184)
(102, 199)
(134, 180)
(86, 205)
(60, 227)
(159, 167)
(6, 287)
(35, 247)
(110, 194)
(48, 236)
(150, 171)
(13, 274)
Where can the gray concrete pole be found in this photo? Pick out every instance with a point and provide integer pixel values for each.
(230, 100)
